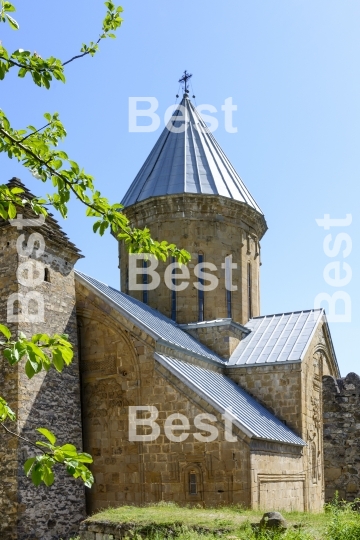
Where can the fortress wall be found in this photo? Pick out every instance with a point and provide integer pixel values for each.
(341, 413)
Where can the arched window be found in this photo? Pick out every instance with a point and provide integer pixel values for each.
(193, 483)
(200, 292)
(47, 275)
(193, 489)
(173, 294)
(249, 284)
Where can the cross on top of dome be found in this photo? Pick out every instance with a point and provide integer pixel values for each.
(184, 81)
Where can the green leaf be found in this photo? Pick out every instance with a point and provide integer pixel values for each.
(45, 445)
(14, 24)
(28, 465)
(8, 7)
(84, 458)
(29, 370)
(5, 411)
(68, 448)
(57, 164)
(33, 349)
(4, 330)
(8, 353)
(36, 474)
(66, 353)
(58, 361)
(47, 475)
(48, 434)
(12, 211)
(34, 363)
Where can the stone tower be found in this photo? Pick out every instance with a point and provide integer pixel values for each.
(187, 192)
(50, 399)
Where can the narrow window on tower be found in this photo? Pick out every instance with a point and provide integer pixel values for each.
(228, 298)
(47, 275)
(201, 292)
(228, 304)
(249, 290)
(127, 280)
(145, 281)
(173, 294)
(192, 483)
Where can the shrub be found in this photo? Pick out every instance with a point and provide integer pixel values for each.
(344, 520)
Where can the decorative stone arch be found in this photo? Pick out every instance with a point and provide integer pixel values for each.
(325, 359)
(115, 327)
(193, 482)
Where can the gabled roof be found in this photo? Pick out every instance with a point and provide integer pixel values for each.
(161, 328)
(225, 395)
(50, 228)
(187, 162)
(275, 339)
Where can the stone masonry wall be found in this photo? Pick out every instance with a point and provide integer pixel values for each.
(216, 227)
(221, 338)
(341, 399)
(9, 391)
(49, 400)
(119, 370)
(276, 387)
(293, 393)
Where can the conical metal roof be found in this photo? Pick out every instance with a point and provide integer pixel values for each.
(187, 159)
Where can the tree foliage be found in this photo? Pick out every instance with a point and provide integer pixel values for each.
(37, 150)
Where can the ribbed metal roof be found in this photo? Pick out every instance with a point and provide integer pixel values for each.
(277, 338)
(187, 162)
(161, 328)
(223, 394)
(215, 322)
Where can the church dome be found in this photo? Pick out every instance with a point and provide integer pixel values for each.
(188, 193)
(187, 159)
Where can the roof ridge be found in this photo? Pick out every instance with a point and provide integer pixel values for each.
(286, 313)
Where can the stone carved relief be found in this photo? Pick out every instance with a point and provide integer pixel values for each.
(316, 414)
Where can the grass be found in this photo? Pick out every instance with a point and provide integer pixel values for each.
(340, 521)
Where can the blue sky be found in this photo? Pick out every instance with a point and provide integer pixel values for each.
(291, 67)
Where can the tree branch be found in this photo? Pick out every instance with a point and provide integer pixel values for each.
(80, 55)
(12, 62)
(30, 68)
(54, 173)
(34, 132)
(23, 439)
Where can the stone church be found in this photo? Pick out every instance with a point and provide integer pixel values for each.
(194, 351)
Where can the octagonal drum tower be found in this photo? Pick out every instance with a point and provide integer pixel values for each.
(187, 192)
